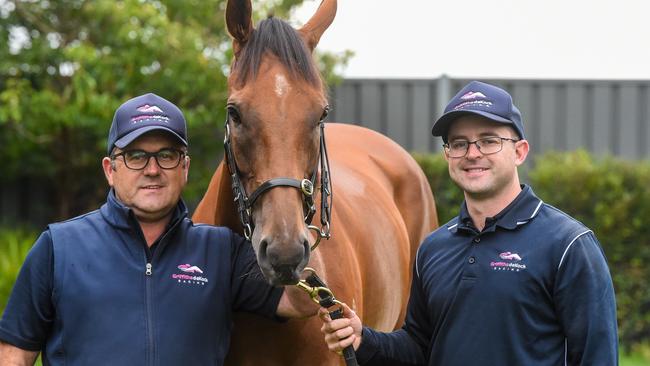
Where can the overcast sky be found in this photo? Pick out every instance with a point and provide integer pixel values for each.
(603, 39)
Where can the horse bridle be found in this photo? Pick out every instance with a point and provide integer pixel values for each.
(245, 203)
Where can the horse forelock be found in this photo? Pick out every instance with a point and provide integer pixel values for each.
(281, 40)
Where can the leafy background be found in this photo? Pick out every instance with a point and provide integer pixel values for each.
(66, 65)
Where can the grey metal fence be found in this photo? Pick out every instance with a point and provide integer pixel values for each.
(602, 116)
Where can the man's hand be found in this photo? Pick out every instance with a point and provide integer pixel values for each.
(340, 333)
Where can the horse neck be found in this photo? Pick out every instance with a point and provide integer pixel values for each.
(219, 197)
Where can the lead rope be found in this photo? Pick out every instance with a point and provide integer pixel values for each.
(318, 291)
(314, 285)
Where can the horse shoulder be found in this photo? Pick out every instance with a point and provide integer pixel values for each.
(358, 146)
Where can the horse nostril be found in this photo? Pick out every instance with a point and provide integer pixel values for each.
(262, 251)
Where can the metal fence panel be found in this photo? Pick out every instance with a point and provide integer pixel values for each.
(602, 116)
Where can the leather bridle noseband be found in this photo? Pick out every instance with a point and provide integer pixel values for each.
(245, 203)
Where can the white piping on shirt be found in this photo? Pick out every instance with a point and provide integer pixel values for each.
(569, 246)
(539, 205)
(417, 270)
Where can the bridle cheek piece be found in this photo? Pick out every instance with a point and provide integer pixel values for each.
(245, 203)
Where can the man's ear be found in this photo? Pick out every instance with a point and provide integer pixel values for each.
(186, 166)
(108, 165)
(521, 151)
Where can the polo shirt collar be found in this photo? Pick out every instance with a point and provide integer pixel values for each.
(519, 212)
(121, 216)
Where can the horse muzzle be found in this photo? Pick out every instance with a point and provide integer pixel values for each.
(282, 260)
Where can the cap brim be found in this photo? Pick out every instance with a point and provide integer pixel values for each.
(130, 137)
(441, 126)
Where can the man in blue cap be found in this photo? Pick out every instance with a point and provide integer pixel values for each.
(136, 282)
(510, 280)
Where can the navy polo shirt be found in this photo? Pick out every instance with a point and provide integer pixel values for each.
(90, 293)
(531, 288)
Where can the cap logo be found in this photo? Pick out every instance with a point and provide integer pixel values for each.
(473, 95)
(149, 109)
(154, 113)
(473, 103)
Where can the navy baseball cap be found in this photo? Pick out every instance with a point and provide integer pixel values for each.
(143, 114)
(484, 100)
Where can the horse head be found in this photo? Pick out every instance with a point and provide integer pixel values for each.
(276, 105)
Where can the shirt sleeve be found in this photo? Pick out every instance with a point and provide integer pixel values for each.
(29, 314)
(405, 346)
(251, 291)
(586, 305)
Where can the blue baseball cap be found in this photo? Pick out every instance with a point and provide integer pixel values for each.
(484, 100)
(143, 114)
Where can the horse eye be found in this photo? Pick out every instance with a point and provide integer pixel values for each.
(326, 112)
(233, 114)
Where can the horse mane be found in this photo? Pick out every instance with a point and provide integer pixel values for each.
(280, 39)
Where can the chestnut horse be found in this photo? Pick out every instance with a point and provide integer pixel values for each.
(382, 206)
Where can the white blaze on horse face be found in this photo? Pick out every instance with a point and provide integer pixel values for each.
(281, 85)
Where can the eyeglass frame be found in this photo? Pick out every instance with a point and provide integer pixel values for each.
(475, 142)
(149, 155)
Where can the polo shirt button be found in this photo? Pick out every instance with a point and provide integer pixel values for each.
(471, 260)
(477, 239)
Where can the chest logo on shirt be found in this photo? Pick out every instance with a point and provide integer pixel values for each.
(189, 268)
(189, 276)
(508, 262)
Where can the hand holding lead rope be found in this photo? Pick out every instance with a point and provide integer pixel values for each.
(319, 293)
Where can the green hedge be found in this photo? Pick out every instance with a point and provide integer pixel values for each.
(609, 195)
(14, 245)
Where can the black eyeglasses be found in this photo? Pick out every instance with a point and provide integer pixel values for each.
(167, 158)
(486, 145)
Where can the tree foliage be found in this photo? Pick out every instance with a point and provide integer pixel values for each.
(66, 65)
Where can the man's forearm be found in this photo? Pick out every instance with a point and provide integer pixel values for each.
(13, 356)
(295, 303)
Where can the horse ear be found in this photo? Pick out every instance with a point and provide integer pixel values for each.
(239, 22)
(316, 26)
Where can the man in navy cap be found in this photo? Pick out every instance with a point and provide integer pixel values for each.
(136, 282)
(510, 280)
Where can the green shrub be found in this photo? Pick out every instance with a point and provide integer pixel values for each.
(14, 245)
(610, 196)
(446, 193)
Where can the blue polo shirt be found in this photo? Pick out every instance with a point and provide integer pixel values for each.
(91, 293)
(531, 288)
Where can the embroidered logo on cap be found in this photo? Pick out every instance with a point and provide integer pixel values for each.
(153, 113)
(149, 109)
(473, 100)
(472, 95)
